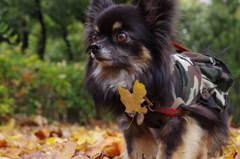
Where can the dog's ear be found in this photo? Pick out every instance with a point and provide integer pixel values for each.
(160, 14)
(95, 7)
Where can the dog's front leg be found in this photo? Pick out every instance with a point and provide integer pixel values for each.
(140, 142)
(181, 138)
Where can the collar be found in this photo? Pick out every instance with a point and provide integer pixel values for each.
(181, 48)
(167, 112)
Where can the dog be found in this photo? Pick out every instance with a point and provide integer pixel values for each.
(186, 92)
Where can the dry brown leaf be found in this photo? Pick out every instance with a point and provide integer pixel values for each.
(1, 136)
(133, 101)
(27, 151)
(95, 152)
(43, 133)
(80, 157)
(112, 150)
(40, 134)
(13, 152)
(63, 150)
(3, 143)
(83, 147)
(11, 124)
(237, 156)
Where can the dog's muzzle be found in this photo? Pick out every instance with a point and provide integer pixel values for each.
(95, 48)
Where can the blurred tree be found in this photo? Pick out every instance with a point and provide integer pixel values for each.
(15, 14)
(63, 13)
(22, 16)
(43, 19)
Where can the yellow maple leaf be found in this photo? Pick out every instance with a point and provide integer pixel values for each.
(133, 101)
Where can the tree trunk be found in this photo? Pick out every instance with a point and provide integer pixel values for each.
(25, 38)
(42, 42)
(68, 44)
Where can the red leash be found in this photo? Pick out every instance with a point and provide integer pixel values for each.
(170, 111)
(180, 47)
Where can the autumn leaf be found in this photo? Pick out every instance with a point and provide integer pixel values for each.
(3, 143)
(43, 133)
(110, 146)
(95, 152)
(133, 101)
(80, 157)
(231, 155)
(112, 149)
(10, 125)
(13, 152)
(10, 152)
(237, 156)
(63, 150)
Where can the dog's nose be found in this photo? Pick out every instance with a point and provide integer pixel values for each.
(95, 47)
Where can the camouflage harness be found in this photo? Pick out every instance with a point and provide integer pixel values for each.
(205, 80)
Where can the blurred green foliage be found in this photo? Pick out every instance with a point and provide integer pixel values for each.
(29, 85)
(52, 30)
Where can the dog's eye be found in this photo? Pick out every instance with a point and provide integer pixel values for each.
(95, 38)
(121, 37)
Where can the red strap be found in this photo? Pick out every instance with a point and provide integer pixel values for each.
(180, 47)
(170, 111)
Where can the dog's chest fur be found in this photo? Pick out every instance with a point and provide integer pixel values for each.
(110, 79)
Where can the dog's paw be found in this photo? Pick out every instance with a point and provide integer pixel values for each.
(136, 155)
(148, 157)
(124, 155)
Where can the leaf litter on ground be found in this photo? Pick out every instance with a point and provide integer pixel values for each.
(72, 141)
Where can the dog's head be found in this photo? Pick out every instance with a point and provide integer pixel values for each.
(128, 43)
(125, 36)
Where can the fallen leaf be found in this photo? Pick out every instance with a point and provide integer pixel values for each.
(95, 152)
(52, 140)
(11, 124)
(133, 101)
(111, 150)
(3, 143)
(1, 136)
(27, 151)
(230, 155)
(13, 152)
(43, 133)
(238, 139)
(237, 156)
(83, 147)
(80, 157)
(63, 150)
(4, 158)
(39, 134)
